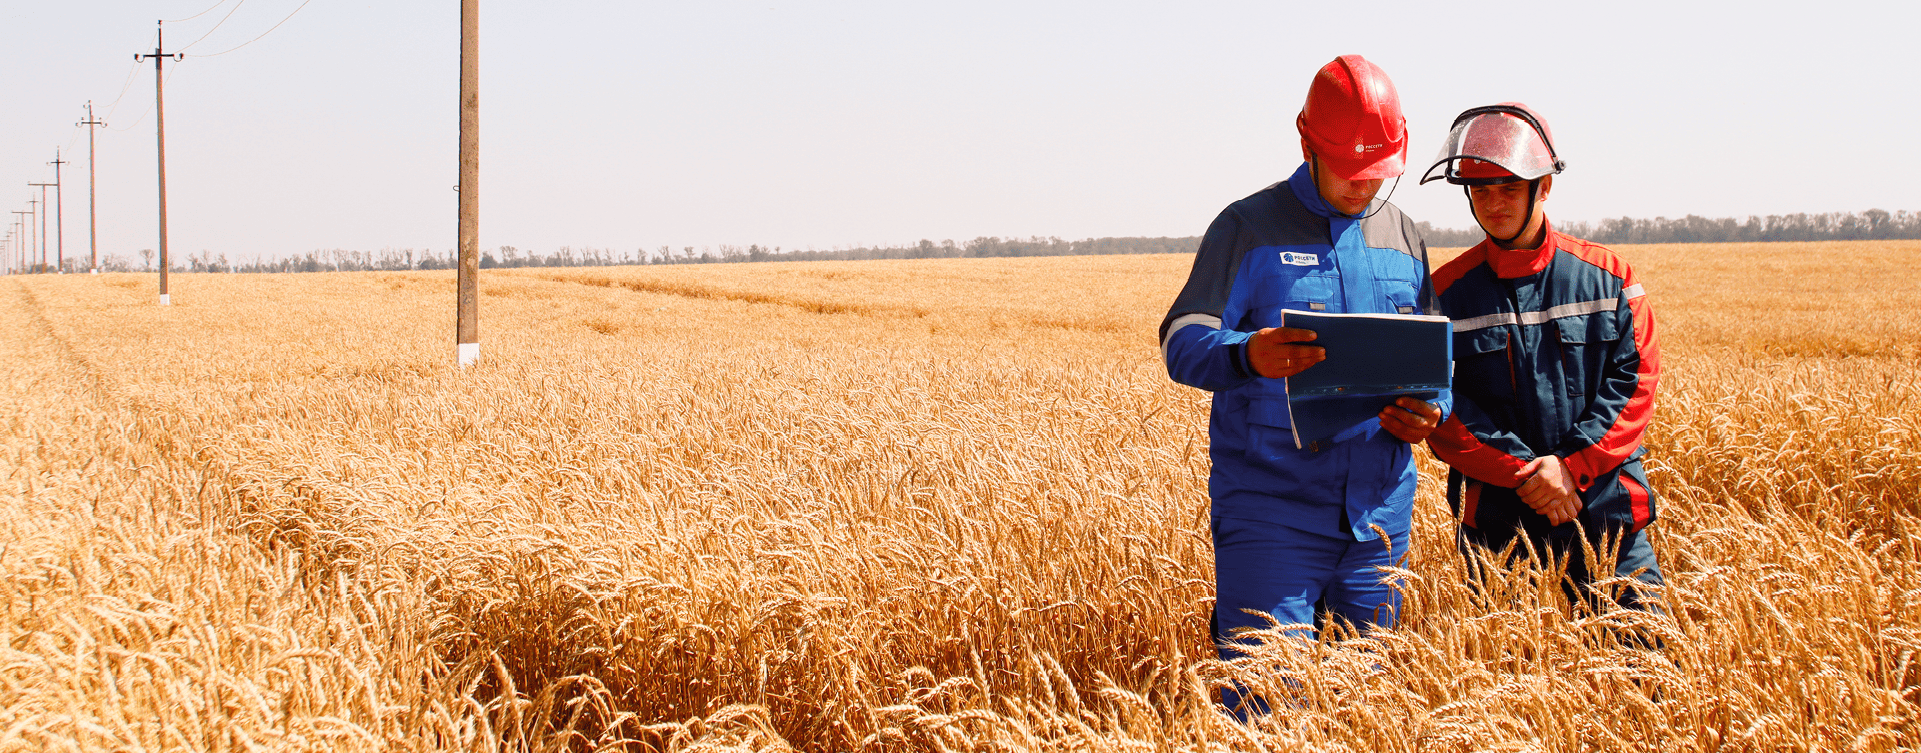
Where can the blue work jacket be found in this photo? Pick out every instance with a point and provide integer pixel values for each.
(1284, 247)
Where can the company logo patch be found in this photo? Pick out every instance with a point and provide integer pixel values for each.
(1407, 309)
(1300, 260)
(1368, 148)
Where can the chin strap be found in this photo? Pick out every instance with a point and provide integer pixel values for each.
(1533, 190)
(1314, 171)
(1378, 205)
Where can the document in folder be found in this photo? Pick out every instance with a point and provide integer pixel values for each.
(1371, 360)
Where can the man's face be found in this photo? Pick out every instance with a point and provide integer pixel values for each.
(1503, 209)
(1345, 196)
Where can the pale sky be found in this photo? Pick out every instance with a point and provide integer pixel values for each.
(641, 124)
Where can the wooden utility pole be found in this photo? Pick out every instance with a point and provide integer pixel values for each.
(37, 242)
(43, 220)
(59, 216)
(25, 243)
(93, 245)
(160, 143)
(467, 282)
(20, 250)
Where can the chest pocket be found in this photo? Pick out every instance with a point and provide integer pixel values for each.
(1400, 296)
(1586, 344)
(1482, 368)
(1298, 288)
(1397, 279)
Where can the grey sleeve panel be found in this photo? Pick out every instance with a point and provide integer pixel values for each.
(1417, 245)
(1389, 228)
(1212, 277)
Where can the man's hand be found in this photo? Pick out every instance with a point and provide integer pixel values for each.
(1410, 420)
(1548, 489)
(1273, 353)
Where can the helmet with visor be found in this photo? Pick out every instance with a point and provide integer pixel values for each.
(1496, 144)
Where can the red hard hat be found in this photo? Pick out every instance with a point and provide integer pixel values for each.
(1496, 144)
(1353, 122)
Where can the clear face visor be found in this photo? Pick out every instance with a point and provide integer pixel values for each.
(1492, 147)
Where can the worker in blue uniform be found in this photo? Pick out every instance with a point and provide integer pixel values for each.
(1292, 527)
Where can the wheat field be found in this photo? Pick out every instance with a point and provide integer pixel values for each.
(879, 506)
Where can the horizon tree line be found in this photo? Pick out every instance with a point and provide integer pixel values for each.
(1873, 224)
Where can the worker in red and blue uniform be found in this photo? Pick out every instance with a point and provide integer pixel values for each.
(1296, 528)
(1555, 368)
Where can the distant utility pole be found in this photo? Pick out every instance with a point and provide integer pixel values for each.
(467, 283)
(26, 235)
(160, 142)
(20, 251)
(43, 221)
(93, 245)
(37, 243)
(59, 216)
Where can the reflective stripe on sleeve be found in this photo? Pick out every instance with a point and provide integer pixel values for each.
(1632, 292)
(1206, 320)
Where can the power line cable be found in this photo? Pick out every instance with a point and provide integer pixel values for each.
(124, 87)
(216, 27)
(115, 104)
(74, 140)
(143, 115)
(262, 34)
(201, 13)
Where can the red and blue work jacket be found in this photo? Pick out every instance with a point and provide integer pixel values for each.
(1554, 354)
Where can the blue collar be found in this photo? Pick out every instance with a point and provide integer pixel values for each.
(1302, 182)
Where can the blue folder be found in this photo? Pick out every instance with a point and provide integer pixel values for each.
(1371, 360)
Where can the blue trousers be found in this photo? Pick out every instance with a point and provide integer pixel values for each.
(1299, 577)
